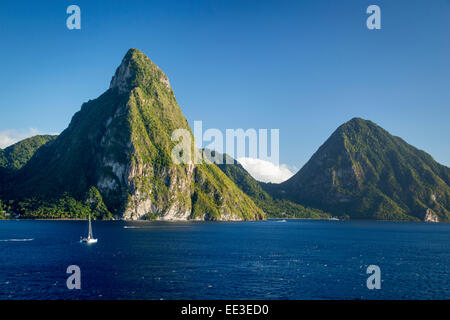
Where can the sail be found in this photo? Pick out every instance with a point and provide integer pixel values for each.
(90, 236)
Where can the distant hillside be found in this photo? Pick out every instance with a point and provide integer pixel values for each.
(16, 156)
(274, 208)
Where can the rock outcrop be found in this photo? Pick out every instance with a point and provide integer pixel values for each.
(430, 216)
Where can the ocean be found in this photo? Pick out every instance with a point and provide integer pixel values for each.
(274, 259)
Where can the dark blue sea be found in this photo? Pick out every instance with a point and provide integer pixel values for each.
(296, 259)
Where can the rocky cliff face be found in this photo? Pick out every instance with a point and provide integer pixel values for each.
(430, 216)
(364, 172)
(121, 144)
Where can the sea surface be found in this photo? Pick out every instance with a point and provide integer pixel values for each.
(293, 259)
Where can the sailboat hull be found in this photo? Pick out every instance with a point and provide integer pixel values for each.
(89, 241)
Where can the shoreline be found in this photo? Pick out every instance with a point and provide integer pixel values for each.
(205, 221)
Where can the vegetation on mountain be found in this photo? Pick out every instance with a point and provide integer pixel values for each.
(16, 156)
(3, 211)
(115, 159)
(274, 208)
(366, 173)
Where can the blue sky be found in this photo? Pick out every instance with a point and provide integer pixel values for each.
(304, 67)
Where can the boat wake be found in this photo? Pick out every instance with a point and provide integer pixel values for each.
(134, 227)
(15, 240)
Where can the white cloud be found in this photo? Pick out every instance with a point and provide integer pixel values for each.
(9, 137)
(266, 171)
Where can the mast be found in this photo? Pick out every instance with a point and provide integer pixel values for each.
(90, 228)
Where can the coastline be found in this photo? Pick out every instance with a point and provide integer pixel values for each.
(208, 221)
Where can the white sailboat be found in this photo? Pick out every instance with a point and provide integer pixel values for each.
(90, 238)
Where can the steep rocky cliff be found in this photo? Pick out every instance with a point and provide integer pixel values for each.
(120, 144)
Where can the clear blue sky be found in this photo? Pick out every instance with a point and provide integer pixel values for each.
(304, 67)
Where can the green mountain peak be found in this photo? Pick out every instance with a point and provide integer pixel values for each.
(118, 148)
(365, 172)
(137, 70)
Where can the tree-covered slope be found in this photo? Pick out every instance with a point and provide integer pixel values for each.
(17, 155)
(274, 208)
(120, 145)
(367, 173)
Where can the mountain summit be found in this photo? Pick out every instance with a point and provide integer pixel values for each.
(137, 70)
(118, 148)
(366, 173)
